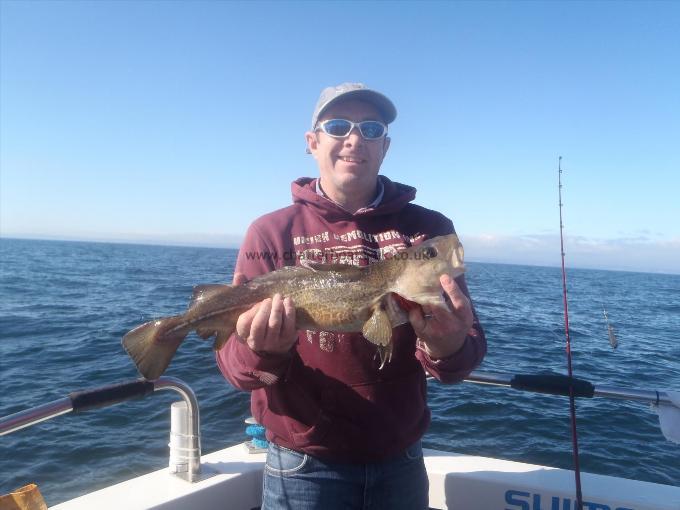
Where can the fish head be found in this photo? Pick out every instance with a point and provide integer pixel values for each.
(422, 265)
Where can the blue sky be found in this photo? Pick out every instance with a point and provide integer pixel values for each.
(181, 122)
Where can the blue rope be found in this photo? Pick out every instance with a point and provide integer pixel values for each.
(257, 434)
(260, 443)
(257, 431)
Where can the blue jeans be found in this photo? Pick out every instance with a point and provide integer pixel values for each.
(298, 481)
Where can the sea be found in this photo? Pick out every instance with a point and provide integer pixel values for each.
(64, 307)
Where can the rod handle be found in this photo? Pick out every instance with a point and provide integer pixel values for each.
(553, 384)
(109, 395)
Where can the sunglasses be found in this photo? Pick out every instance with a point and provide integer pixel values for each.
(341, 128)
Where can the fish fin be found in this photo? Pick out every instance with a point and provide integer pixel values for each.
(206, 292)
(221, 333)
(153, 344)
(205, 333)
(266, 377)
(222, 336)
(378, 329)
(385, 355)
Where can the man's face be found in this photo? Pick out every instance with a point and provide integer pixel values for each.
(348, 164)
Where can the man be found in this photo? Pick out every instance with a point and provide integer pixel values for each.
(344, 433)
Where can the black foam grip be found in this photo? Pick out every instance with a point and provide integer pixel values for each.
(553, 385)
(109, 395)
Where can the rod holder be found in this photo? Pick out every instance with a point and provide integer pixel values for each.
(185, 448)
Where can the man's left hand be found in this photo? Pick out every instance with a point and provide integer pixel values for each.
(442, 329)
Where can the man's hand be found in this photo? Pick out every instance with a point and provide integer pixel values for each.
(443, 329)
(268, 326)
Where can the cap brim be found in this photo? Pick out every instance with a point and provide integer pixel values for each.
(387, 109)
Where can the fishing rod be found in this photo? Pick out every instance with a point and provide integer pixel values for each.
(572, 400)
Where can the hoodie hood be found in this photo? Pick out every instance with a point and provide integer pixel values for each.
(396, 197)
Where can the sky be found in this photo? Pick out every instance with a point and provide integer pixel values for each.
(181, 122)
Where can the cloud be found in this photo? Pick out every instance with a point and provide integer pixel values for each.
(644, 252)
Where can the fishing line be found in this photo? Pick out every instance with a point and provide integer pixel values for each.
(572, 401)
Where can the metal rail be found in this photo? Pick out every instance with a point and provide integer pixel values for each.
(106, 396)
(22, 419)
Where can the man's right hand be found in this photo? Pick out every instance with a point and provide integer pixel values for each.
(268, 326)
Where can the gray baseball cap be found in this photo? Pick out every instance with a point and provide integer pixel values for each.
(331, 95)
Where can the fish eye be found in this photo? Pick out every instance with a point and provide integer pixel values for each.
(430, 252)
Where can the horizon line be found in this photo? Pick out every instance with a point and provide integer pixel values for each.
(232, 246)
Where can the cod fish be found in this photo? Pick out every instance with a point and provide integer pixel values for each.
(327, 297)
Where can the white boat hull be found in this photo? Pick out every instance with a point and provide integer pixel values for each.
(232, 478)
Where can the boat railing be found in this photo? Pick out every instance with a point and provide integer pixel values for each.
(185, 439)
(185, 442)
(556, 384)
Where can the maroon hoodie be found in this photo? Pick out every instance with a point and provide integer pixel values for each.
(327, 397)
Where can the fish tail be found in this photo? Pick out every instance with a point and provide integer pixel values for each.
(153, 344)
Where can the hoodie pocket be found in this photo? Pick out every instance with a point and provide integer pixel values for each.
(310, 436)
